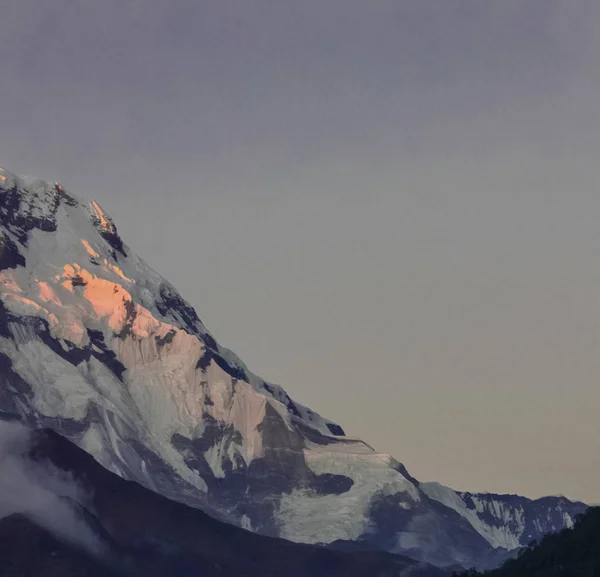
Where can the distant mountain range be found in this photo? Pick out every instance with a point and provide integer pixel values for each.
(99, 348)
(573, 552)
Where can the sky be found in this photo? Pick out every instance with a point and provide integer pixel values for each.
(389, 207)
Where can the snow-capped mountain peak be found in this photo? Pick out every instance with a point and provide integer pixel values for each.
(98, 346)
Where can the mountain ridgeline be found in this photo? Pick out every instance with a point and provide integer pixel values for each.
(572, 552)
(98, 347)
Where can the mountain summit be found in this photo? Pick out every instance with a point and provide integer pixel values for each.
(98, 347)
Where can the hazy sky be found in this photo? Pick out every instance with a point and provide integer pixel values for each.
(389, 207)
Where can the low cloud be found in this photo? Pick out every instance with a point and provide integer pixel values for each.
(40, 491)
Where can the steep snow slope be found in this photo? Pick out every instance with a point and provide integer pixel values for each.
(508, 521)
(99, 347)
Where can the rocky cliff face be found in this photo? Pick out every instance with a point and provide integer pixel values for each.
(97, 346)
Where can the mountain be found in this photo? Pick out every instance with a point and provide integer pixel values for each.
(135, 532)
(98, 347)
(28, 550)
(573, 552)
(508, 521)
